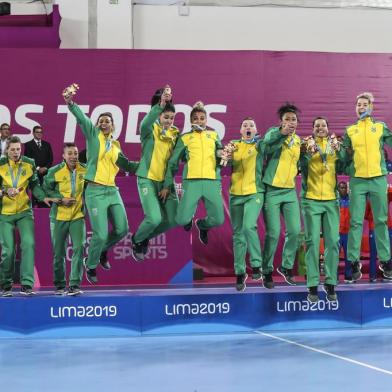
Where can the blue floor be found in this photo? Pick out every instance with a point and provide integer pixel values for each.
(349, 360)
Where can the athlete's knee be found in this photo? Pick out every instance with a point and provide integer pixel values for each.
(154, 220)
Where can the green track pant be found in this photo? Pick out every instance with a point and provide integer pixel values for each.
(159, 216)
(244, 212)
(104, 204)
(210, 191)
(321, 215)
(376, 189)
(24, 222)
(60, 230)
(280, 201)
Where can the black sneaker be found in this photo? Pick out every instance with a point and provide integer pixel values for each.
(348, 279)
(356, 270)
(256, 273)
(188, 226)
(137, 250)
(241, 285)
(330, 291)
(372, 280)
(203, 234)
(74, 290)
(386, 269)
(59, 291)
(91, 274)
(103, 260)
(268, 282)
(313, 294)
(27, 290)
(287, 274)
(145, 245)
(7, 292)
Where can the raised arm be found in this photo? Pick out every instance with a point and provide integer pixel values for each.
(85, 123)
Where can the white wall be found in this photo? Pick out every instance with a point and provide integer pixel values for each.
(114, 24)
(227, 28)
(74, 23)
(268, 28)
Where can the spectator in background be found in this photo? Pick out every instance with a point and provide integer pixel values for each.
(41, 152)
(344, 227)
(4, 135)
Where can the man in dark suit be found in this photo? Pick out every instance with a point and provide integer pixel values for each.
(41, 152)
(4, 135)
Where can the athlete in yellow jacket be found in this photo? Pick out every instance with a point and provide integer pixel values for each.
(17, 174)
(364, 149)
(282, 150)
(199, 149)
(246, 201)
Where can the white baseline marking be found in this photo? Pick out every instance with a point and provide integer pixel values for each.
(325, 353)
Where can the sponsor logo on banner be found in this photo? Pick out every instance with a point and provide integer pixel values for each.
(193, 309)
(157, 248)
(306, 306)
(90, 311)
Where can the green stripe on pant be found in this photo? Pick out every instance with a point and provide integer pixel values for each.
(60, 230)
(244, 213)
(321, 215)
(104, 204)
(24, 222)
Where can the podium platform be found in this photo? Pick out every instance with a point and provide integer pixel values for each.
(192, 309)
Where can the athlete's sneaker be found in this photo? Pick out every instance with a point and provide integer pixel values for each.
(103, 260)
(348, 279)
(137, 250)
(188, 226)
(203, 234)
(330, 291)
(7, 292)
(268, 282)
(74, 290)
(257, 273)
(145, 245)
(59, 291)
(386, 269)
(240, 284)
(356, 270)
(313, 294)
(91, 273)
(287, 275)
(27, 290)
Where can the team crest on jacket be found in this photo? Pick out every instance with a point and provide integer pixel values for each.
(23, 173)
(373, 129)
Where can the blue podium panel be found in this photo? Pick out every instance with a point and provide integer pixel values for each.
(43, 316)
(377, 308)
(174, 310)
(202, 313)
(291, 310)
